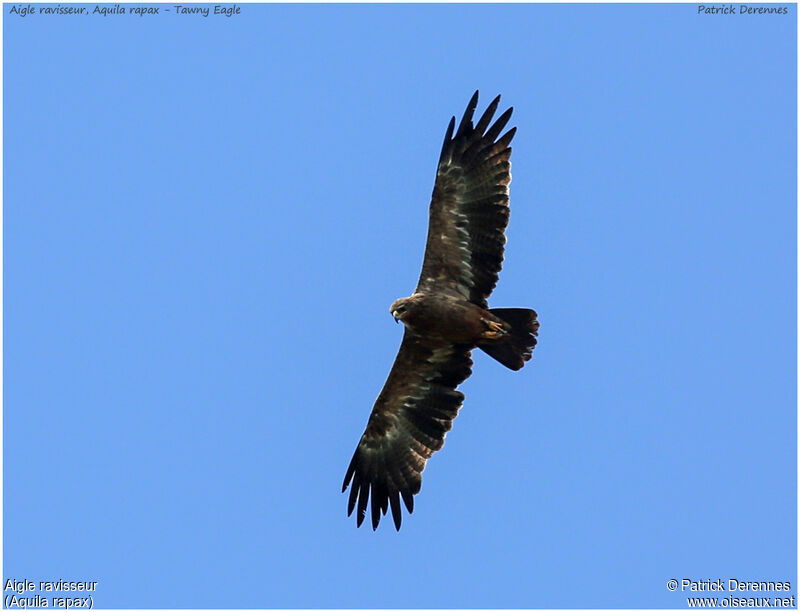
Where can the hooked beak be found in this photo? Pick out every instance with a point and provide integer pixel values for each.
(396, 316)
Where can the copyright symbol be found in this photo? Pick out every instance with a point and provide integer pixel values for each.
(672, 584)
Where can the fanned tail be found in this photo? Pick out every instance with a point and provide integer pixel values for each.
(518, 345)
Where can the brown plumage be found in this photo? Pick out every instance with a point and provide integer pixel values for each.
(445, 319)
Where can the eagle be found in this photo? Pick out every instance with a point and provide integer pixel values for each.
(445, 318)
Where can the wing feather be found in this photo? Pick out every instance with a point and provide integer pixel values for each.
(411, 417)
(469, 208)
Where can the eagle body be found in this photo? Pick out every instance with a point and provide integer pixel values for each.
(445, 319)
(449, 319)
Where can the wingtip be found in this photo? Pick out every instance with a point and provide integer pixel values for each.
(486, 118)
(448, 136)
(351, 470)
(397, 518)
(508, 137)
(408, 500)
(466, 120)
(351, 501)
(494, 131)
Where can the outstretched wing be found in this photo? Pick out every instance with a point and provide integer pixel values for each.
(408, 424)
(469, 209)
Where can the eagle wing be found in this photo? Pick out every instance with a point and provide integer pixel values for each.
(408, 424)
(469, 208)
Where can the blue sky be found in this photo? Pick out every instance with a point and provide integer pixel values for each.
(206, 220)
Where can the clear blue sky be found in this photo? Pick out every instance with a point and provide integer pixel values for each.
(206, 220)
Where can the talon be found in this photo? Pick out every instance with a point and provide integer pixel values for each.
(494, 327)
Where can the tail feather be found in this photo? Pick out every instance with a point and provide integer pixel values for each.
(517, 347)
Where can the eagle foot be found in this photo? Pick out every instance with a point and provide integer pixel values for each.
(495, 331)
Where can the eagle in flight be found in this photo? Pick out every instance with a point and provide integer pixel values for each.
(445, 318)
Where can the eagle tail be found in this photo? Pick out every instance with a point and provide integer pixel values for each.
(518, 345)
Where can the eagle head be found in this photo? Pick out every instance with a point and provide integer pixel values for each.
(400, 308)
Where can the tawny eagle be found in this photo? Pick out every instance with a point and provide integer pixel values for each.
(446, 317)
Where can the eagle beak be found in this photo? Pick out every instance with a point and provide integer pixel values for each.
(396, 316)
